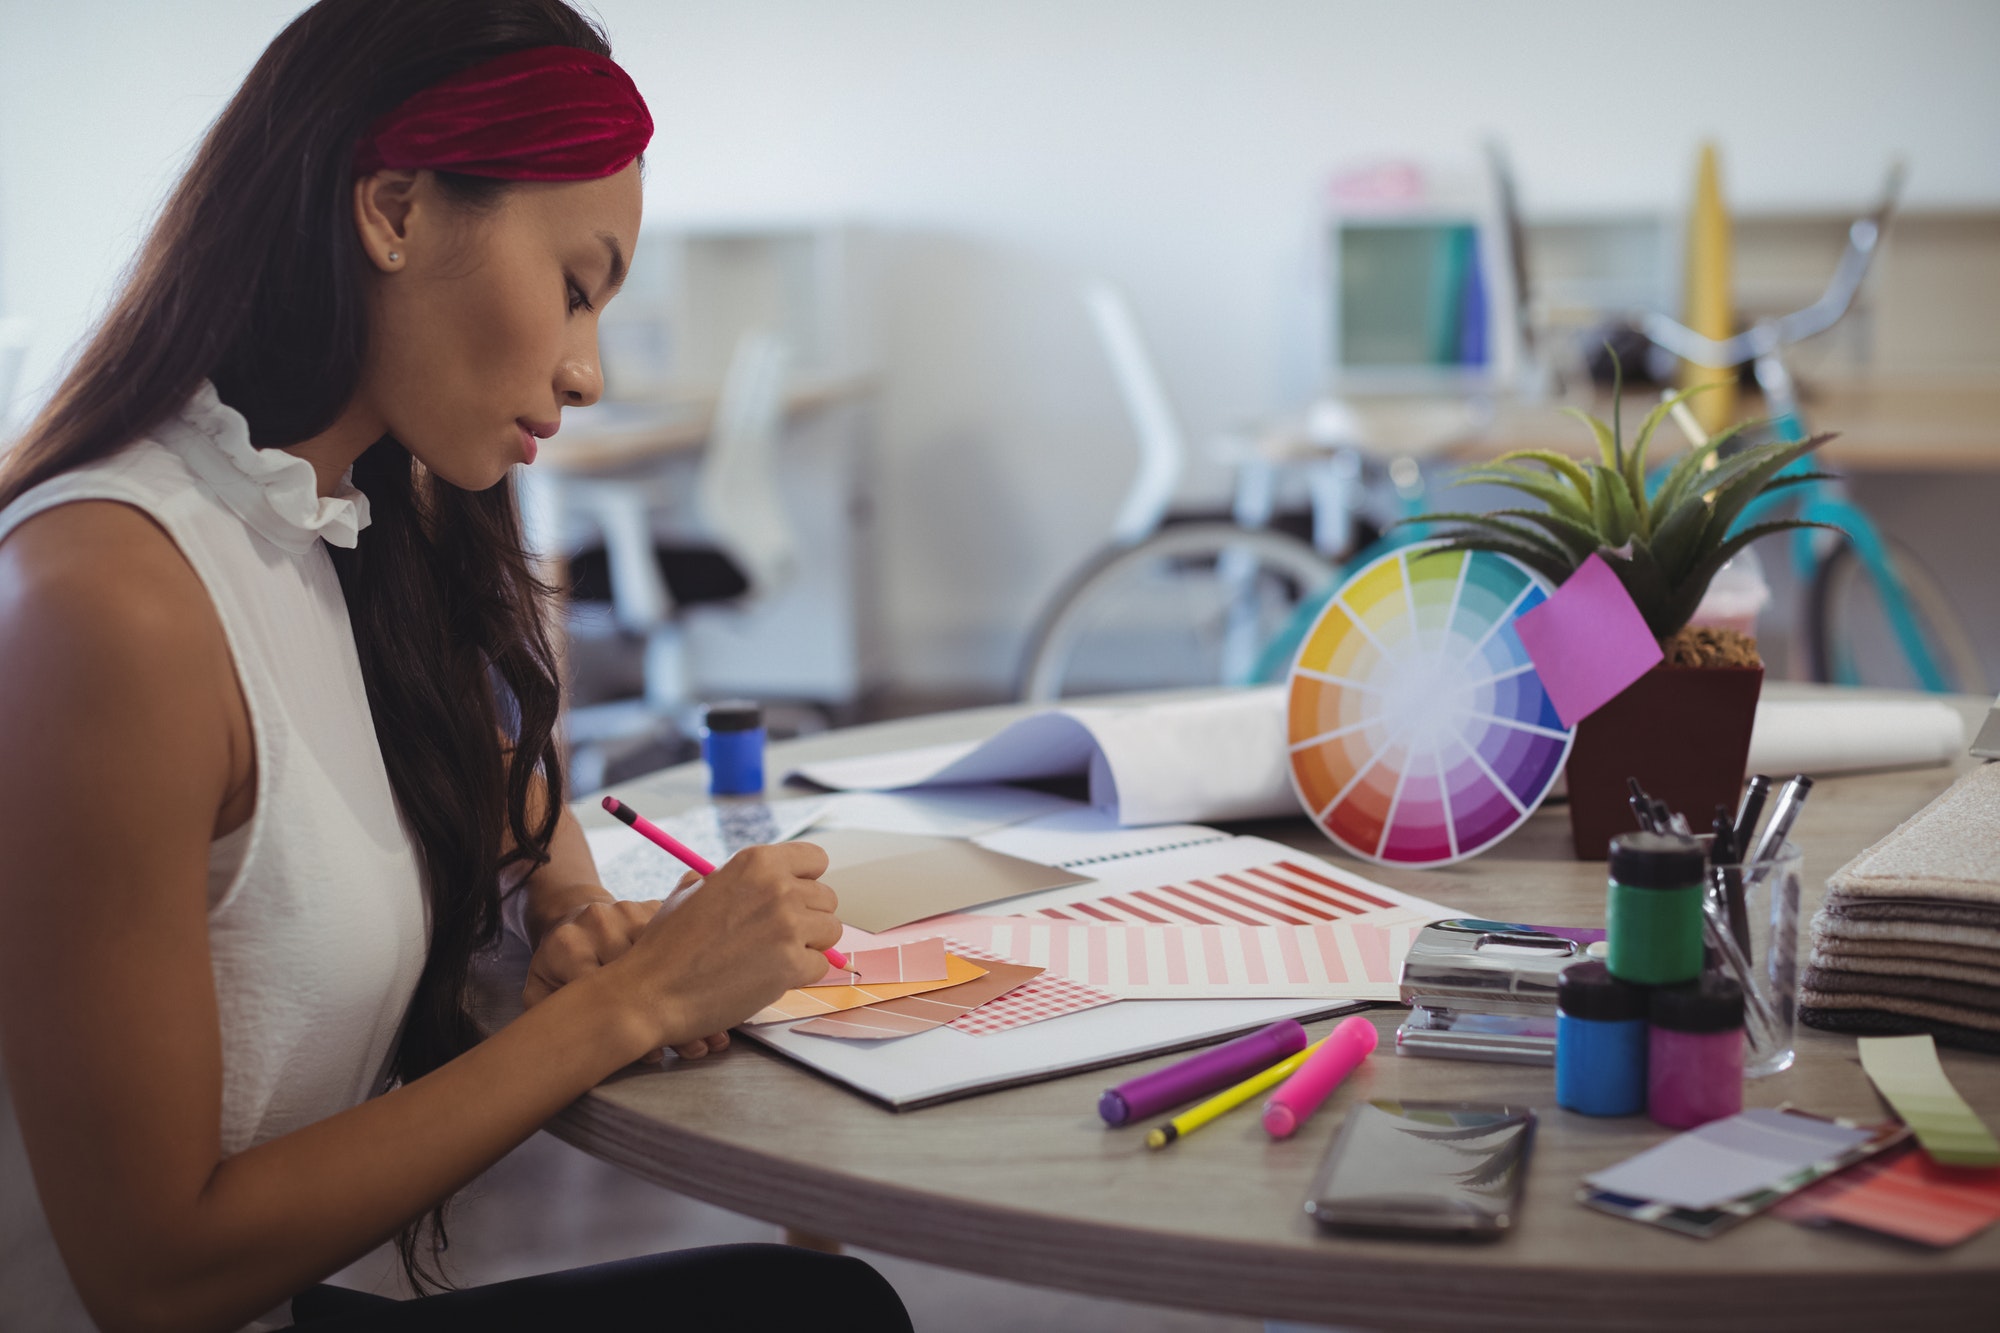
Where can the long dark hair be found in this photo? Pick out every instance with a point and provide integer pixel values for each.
(253, 278)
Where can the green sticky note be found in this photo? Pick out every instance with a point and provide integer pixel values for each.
(1907, 1074)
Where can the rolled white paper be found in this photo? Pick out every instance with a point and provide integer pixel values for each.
(1844, 735)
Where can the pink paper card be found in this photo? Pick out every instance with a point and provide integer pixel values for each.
(919, 960)
(1278, 893)
(1047, 996)
(1348, 960)
(1588, 641)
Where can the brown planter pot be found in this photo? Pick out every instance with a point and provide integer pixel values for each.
(1684, 732)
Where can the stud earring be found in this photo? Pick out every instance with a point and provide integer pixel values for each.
(394, 257)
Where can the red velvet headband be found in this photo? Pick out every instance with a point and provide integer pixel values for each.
(549, 113)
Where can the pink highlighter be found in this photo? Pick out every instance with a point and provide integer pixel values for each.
(1301, 1094)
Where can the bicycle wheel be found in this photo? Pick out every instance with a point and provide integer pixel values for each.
(1191, 605)
(1852, 640)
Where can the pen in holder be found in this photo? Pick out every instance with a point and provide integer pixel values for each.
(1768, 969)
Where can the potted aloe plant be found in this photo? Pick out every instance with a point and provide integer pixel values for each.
(1683, 729)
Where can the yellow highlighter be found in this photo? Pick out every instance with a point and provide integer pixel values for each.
(1229, 1099)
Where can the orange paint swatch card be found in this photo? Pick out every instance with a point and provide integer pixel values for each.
(921, 1013)
(810, 1002)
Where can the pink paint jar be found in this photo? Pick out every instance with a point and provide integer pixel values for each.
(1694, 1052)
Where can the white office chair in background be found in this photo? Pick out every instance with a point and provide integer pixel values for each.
(1321, 454)
(727, 531)
(1215, 587)
(1162, 446)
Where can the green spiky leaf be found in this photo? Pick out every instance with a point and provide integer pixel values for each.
(1534, 485)
(1617, 411)
(1676, 541)
(1612, 511)
(1658, 416)
(1635, 457)
(1695, 584)
(1570, 470)
(1683, 478)
(1580, 538)
(1554, 570)
(1643, 578)
(1493, 522)
(1742, 479)
(1784, 479)
(1607, 443)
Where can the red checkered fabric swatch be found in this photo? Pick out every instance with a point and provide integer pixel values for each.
(1047, 996)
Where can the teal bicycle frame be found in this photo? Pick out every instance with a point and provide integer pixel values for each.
(1824, 502)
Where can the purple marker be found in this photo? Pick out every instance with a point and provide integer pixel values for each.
(1198, 1075)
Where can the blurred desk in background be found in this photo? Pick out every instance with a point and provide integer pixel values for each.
(807, 641)
(613, 435)
(1884, 425)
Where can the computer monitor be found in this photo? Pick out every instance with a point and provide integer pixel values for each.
(1411, 303)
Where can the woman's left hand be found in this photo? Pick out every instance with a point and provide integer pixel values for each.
(585, 939)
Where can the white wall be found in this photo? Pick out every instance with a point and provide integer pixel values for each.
(1180, 148)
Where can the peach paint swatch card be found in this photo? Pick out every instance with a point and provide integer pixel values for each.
(920, 1013)
(809, 1002)
(919, 960)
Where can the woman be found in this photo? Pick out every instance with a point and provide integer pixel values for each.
(277, 724)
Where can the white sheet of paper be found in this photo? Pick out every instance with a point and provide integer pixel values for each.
(1726, 1158)
(1085, 837)
(634, 870)
(1215, 757)
(942, 812)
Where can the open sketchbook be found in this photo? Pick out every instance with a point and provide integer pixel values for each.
(943, 1064)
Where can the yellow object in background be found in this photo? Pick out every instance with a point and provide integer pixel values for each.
(1710, 304)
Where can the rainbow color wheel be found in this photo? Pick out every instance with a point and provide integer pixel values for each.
(1420, 733)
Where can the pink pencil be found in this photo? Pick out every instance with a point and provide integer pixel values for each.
(685, 854)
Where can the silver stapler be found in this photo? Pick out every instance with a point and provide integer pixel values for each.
(1486, 990)
(1986, 745)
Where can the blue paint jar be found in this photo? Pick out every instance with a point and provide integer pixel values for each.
(1600, 1042)
(732, 744)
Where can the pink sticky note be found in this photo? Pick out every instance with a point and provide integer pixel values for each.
(1588, 641)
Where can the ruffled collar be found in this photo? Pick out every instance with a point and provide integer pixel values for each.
(276, 493)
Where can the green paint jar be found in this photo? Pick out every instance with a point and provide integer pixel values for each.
(1652, 918)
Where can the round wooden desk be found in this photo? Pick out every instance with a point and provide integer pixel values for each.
(1028, 1184)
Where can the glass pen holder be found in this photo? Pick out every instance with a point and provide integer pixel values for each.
(1751, 919)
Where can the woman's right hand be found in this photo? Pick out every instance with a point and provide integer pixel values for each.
(718, 953)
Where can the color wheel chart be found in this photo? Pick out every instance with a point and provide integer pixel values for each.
(1420, 733)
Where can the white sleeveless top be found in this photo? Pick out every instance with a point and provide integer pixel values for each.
(316, 916)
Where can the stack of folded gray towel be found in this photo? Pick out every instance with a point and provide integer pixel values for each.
(1908, 939)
